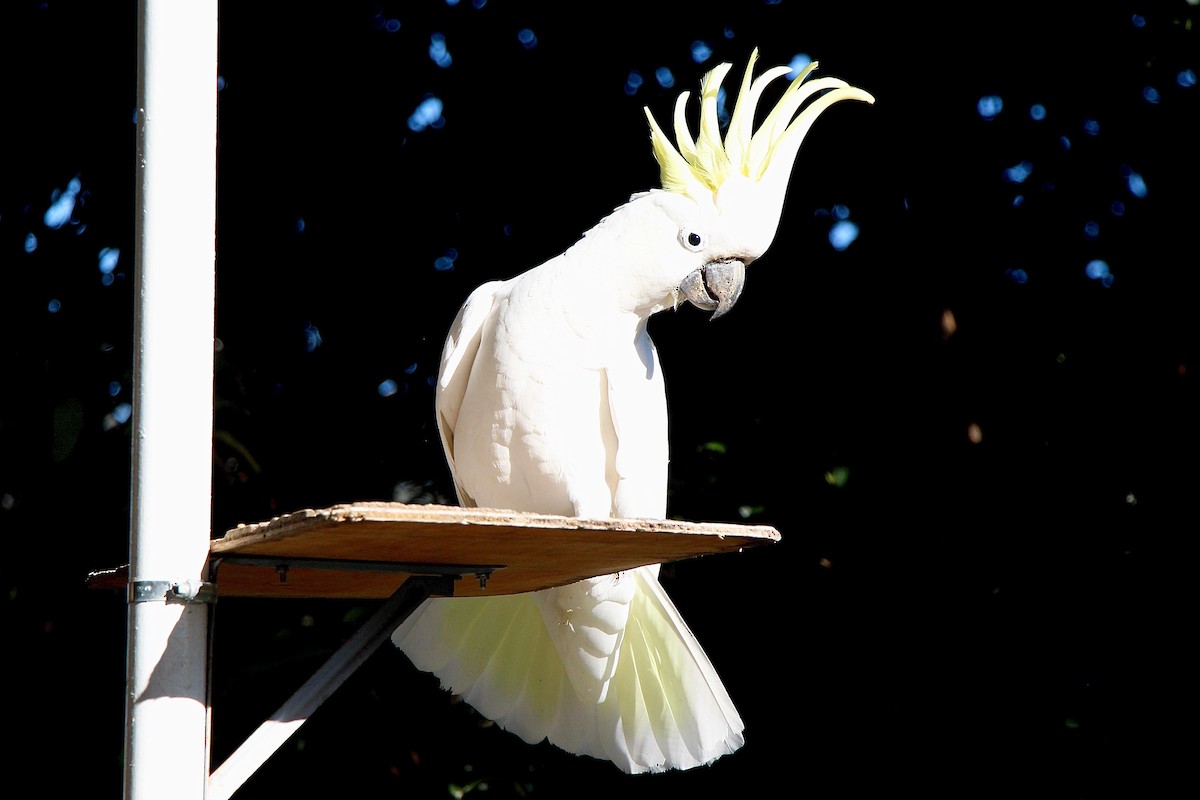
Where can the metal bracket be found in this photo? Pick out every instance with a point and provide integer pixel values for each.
(258, 747)
(185, 592)
(424, 581)
(281, 566)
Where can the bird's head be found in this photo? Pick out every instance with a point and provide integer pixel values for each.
(727, 194)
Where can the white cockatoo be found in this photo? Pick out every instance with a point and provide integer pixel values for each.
(551, 400)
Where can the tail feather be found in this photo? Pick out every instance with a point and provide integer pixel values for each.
(511, 668)
(495, 653)
(665, 707)
(681, 714)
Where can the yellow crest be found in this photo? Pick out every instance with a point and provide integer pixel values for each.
(704, 164)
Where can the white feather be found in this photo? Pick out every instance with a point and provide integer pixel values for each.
(551, 399)
(665, 708)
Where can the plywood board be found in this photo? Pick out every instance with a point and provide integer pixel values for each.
(529, 551)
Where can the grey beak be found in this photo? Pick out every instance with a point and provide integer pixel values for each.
(716, 286)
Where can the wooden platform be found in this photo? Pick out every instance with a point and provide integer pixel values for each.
(367, 550)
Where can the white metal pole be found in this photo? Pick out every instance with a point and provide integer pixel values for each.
(166, 687)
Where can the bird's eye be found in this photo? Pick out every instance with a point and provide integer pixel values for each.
(691, 240)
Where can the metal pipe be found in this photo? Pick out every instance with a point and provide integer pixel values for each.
(166, 721)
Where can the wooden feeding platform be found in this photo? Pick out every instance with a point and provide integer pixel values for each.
(367, 550)
(404, 554)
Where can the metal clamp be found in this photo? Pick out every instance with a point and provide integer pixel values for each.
(185, 592)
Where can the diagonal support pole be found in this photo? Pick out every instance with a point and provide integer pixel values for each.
(271, 735)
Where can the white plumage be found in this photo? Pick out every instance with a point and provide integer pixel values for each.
(551, 400)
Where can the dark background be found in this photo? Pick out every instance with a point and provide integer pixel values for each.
(947, 615)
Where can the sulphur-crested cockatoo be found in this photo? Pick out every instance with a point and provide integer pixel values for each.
(551, 400)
